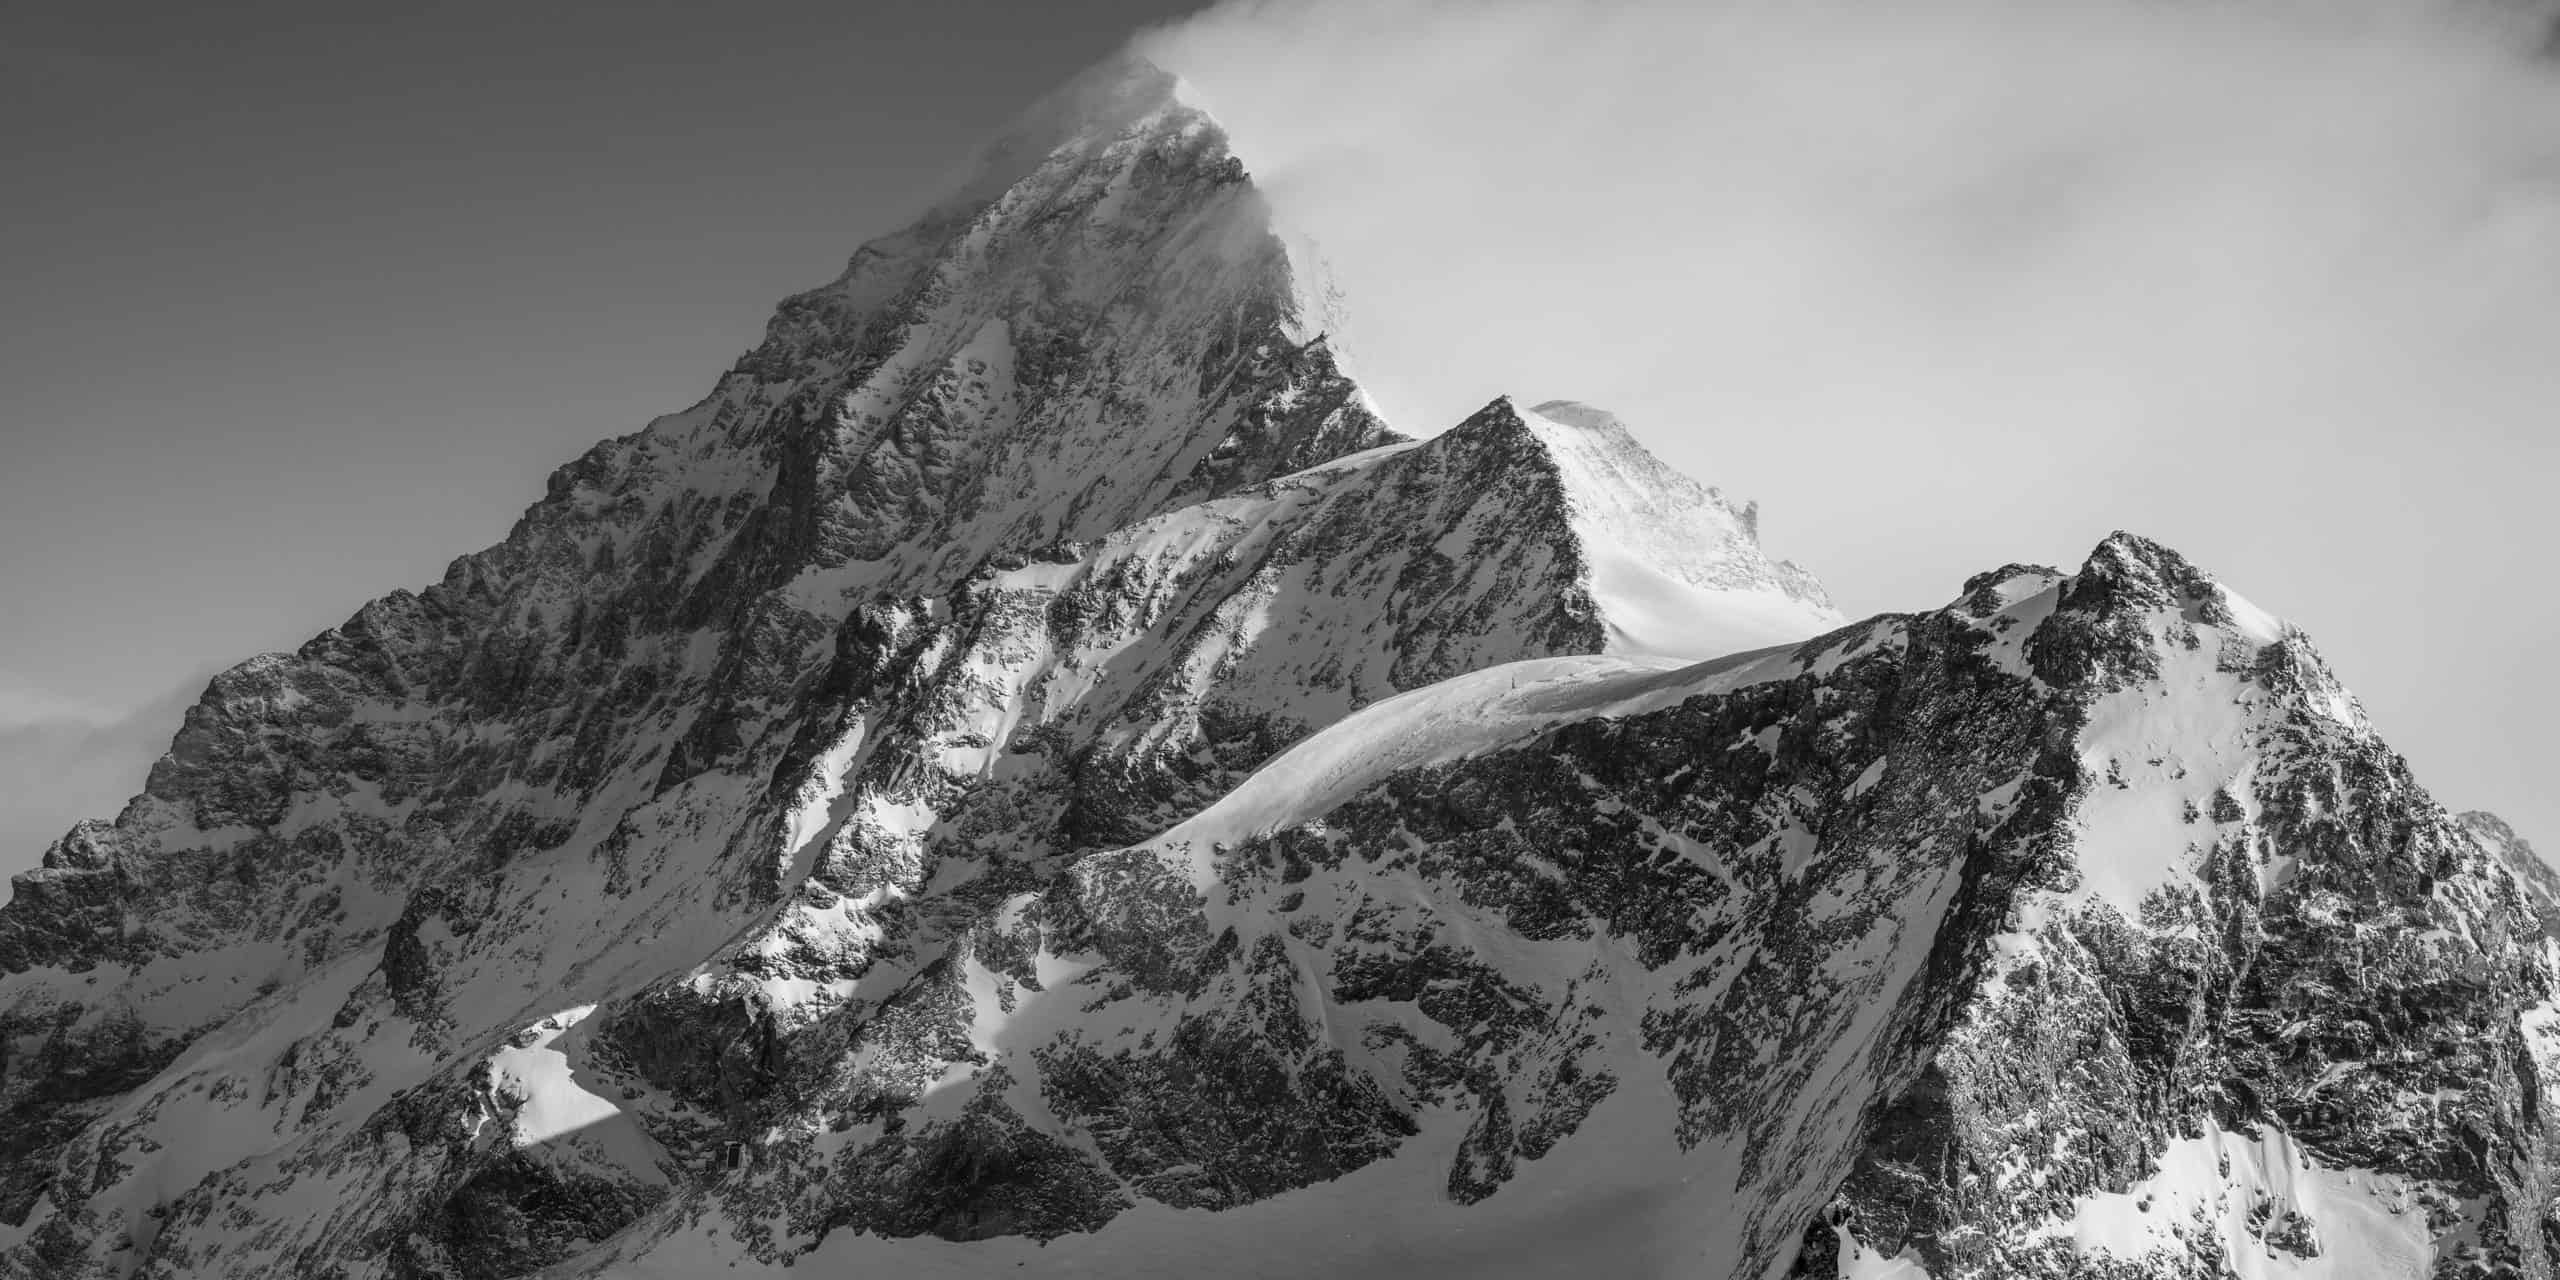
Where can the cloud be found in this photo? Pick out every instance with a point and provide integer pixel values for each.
(62, 760)
(25, 704)
(1941, 211)
(1950, 283)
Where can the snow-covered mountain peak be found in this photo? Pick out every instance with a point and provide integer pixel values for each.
(1121, 95)
(1675, 568)
(2135, 628)
(1031, 771)
(1609, 457)
(1101, 327)
(1108, 95)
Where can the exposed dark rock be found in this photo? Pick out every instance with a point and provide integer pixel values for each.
(1031, 749)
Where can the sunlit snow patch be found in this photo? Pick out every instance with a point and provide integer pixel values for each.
(1676, 570)
(2275, 1213)
(557, 1114)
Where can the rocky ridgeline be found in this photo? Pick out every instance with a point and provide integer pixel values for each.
(562, 767)
(2314, 1038)
(1032, 773)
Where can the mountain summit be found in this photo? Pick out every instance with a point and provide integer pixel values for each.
(1031, 774)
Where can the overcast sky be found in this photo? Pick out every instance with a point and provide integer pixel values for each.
(304, 300)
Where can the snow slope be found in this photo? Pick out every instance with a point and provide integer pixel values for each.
(1043, 524)
(1678, 567)
(1030, 773)
(2263, 1009)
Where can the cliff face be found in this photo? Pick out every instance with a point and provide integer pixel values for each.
(1032, 772)
(2272, 1013)
(2081, 928)
(573, 763)
(1043, 524)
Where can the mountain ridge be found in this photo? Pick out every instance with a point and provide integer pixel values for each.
(399, 837)
(1032, 769)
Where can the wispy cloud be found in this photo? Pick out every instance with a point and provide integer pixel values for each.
(63, 759)
(24, 704)
(1956, 282)
(2092, 214)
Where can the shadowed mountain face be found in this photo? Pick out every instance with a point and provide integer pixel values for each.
(1031, 771)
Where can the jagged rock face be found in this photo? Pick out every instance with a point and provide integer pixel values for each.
(2279, 1015)
(1072, 703)
(1866, 956)
(454, 941)
(379, 824)
(1032, 772)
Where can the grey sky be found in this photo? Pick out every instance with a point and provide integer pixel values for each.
(304, 300)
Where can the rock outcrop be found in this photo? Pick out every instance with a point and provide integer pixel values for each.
(1033, 773)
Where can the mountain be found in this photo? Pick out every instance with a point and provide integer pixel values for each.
(1032, 774)
(2541, 884)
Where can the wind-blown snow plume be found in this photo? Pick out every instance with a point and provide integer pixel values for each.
(1934, 267)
